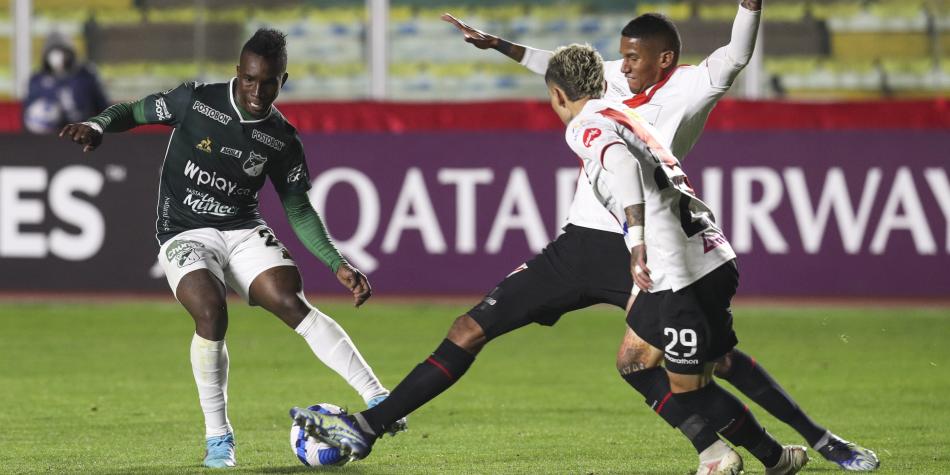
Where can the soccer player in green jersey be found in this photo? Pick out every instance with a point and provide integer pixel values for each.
(227, 139)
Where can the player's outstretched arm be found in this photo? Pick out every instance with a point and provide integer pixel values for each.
(116, 118)
(309, 228)
(534, 59)
(726, 62)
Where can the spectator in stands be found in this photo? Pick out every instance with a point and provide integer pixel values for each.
(63, 91)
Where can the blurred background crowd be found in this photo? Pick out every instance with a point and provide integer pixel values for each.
(810, 49)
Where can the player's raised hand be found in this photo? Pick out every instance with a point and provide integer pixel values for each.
(639, 269)
(474, 36)
(354, 280)
(82, 134)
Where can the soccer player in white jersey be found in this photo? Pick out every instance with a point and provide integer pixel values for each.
(677, 99)
(692, 274)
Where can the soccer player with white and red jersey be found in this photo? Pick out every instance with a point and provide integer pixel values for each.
(677, 99)
(685, 306)
(586, 264)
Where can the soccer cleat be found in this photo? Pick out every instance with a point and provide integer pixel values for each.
(848, 455)
(726, 462)
(401, 425)
(220, 451)
(793, 459)
(339, 431)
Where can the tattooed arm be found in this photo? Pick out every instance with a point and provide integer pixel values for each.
(636, 222)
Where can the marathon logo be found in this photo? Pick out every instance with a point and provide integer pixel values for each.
(211, 112)
(267, 140)
(161, 109)
(684, 361)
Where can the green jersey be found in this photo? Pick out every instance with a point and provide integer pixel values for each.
(217, 160)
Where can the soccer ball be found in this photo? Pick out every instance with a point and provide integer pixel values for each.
(313, 452)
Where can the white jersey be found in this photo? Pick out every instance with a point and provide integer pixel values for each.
(677, 106)
(682, 240)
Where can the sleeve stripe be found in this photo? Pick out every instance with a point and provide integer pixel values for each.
(603, 151)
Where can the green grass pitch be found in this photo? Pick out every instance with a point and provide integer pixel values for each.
(107, 388)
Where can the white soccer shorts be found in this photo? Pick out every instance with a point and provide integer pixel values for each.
(236, 258)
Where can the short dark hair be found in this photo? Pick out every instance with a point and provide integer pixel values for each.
(268, 43)
(655, 26)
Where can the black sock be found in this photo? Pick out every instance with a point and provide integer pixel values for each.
(654, 385)
(733, 420)
(758, 385)
(426, 381)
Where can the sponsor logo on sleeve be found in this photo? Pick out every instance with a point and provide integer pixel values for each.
(268, 140)
(211, 112)
(590, 135)
(183, 253)
(254, 164)
(204, 145)
(161, 109)
(232, 152)
(296, 174)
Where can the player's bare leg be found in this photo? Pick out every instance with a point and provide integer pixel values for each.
(204, 297)
(748, 376)
(700, 394)
(639, 364)
(279, 290)
(467, 334)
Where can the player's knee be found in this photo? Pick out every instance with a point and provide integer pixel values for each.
(467, 334)
(289, 307)
(723, 366)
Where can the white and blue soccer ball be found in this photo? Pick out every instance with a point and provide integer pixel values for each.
(311, 451)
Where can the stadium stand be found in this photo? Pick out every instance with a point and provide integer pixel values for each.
(813, 49)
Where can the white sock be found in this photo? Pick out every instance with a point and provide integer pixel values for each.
(823, 441)
(209, 364)
(334, 348)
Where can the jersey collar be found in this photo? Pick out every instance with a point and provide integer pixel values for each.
(237, 109)
(645, 96)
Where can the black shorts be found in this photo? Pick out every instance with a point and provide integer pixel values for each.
(580, 268)
(693, 326)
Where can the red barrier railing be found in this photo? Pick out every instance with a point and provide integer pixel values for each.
(537, 115)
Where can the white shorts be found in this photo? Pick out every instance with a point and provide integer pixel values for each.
(236, 258)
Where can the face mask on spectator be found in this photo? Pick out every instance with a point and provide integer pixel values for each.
(56, 59)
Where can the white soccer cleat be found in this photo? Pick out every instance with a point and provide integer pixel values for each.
(719, 459)
(793, 459)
